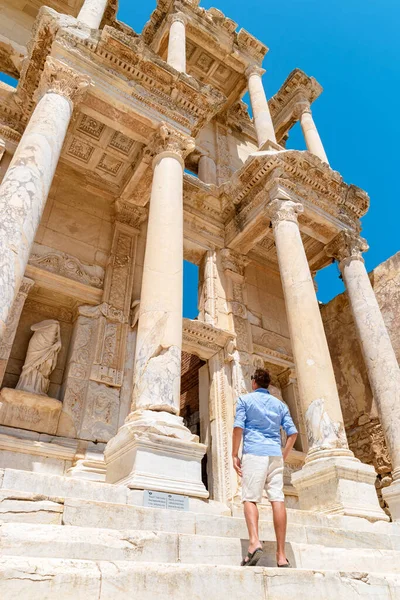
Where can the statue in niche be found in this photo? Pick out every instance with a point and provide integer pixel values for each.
(41, 357)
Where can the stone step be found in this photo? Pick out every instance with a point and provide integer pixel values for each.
(58, 489)
(45, 579)
(27, 508)
(85, 543)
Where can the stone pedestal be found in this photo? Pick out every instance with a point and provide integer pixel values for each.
(91, 13)
(310, 132)
(380, 359)
(25, 410)
(153, 449)
(177, 42)
(26, 184)
(339, 485)
(156, 452)
(259, 104)
(329, 463)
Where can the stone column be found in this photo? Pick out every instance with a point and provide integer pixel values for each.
(380, 359)
(92, 12)
(207, 170)
(26, 184)
(310, 132)
(259, 104)
(332, 480)
(12, 324)
(177, 42)
(153, 449)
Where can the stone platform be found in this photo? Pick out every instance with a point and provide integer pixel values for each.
(82, 539)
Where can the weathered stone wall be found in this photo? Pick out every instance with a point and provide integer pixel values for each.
(360, 415)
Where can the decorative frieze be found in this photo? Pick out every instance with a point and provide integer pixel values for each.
(66, 265)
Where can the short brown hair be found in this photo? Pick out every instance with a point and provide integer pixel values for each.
(262, 378)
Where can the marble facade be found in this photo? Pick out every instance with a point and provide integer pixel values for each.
(122, 155)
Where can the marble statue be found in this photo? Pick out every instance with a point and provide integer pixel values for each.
(41, 358)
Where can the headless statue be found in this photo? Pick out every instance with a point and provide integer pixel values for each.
(41, 357)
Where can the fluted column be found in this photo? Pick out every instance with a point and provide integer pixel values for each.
(380, 359)
(92, 12)
(259, 104)
(207, 170)
(177, 42)
(332, 480)
(26, 184)
(310, 132)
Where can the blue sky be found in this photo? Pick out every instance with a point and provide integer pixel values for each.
(352, 47)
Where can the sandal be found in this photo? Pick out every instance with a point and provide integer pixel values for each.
(286, 566)
(253, 558)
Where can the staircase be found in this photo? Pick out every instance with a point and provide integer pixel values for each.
(62, 538)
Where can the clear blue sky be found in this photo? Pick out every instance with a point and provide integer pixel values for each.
(352, 47)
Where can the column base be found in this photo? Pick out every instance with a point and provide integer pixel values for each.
(391, 495)
(339, 485)
(155, 451)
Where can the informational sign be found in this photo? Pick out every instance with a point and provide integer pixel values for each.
(163, 500)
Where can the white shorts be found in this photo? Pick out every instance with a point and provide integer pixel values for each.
(259, 473)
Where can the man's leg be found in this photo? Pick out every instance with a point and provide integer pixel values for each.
(251, 516)
(280, 519)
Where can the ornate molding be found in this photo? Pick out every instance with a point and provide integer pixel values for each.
(66, 265)
(283, 210)
(233, 261)
(169, 140)
(347, 246)
(60, 79)
(130, 214)
(204, 339)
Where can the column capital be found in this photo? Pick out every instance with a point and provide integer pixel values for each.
(300, 108)
(179, 17)
(283, 210)
(170, 142)
(346, 246)
(254, 70)
(58, 78)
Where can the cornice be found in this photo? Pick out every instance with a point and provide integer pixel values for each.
(204, 339)
(297, 88)
(211, 21)
(304, 174)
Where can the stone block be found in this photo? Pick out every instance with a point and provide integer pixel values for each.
(48, 578)
(25, 410)
(98, 514)
(84, 543)
(62, 487)
(16, 507)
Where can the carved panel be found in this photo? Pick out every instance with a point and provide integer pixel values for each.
(80, 150)
(109, 165)
(91, 127)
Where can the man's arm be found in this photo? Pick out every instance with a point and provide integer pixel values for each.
(291, 431)
(289, 445)
(236, 440)
(238, 426)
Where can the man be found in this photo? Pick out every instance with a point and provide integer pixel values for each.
(259, 418)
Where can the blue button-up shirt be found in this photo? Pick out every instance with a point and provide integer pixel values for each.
(261, 416)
